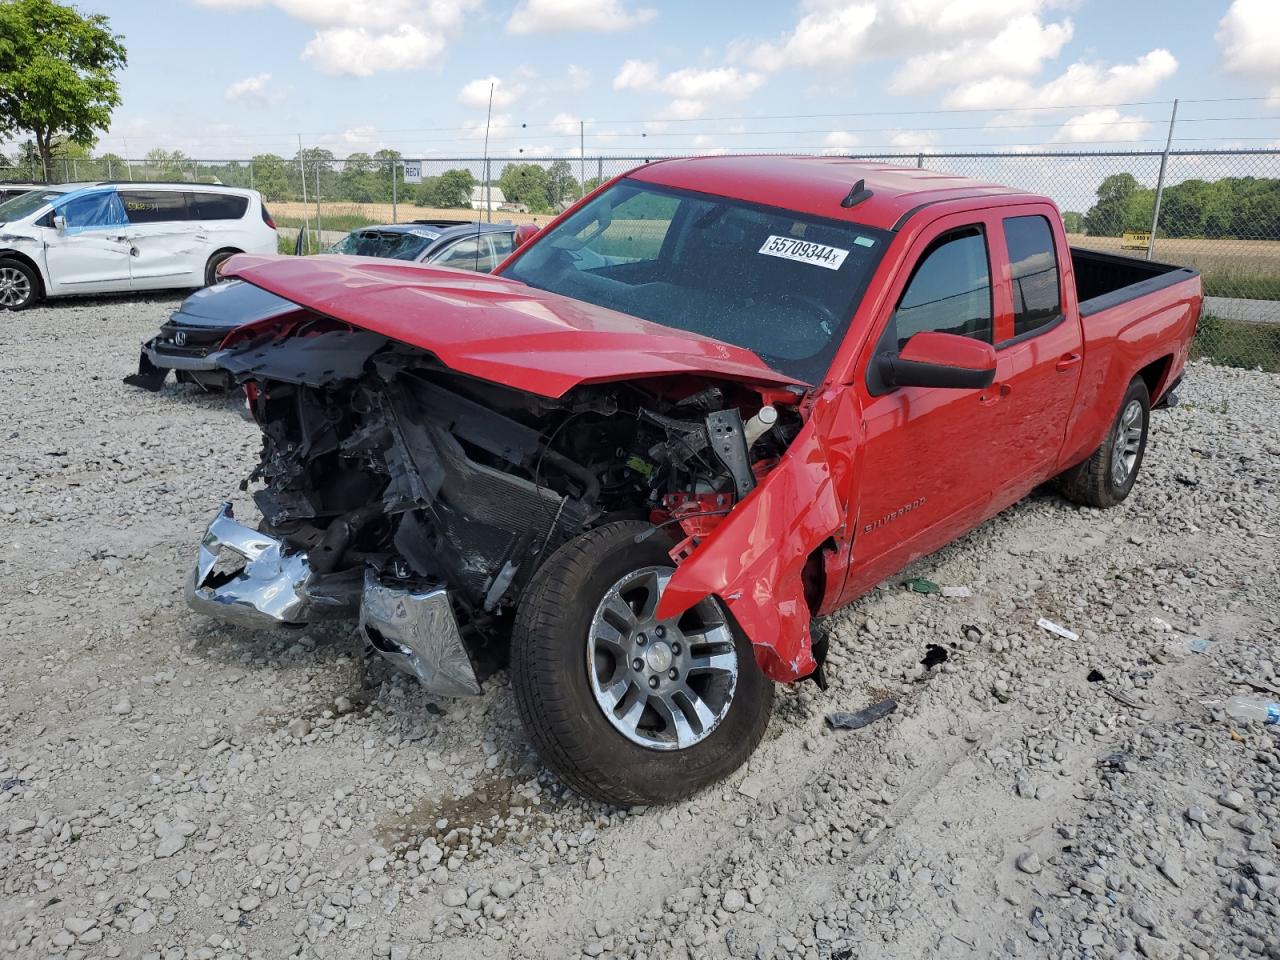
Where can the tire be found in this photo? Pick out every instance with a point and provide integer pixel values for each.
(19, 285)
(217, 260)
(558, 663)
(1101, 481)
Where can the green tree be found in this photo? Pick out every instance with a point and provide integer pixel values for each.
(1073, 222)
(562, 187)
(453, 188)
(57, 74)
(526, 183)
(271, 176)
(1107, 217)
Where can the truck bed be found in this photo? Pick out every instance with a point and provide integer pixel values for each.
(1106, 279)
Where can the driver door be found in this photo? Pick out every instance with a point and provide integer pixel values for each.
(89, 253)
(930, 453)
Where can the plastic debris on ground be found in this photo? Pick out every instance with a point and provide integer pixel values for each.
(1052, 627)
(1200, 645)
(921, 585)
(855, 721)
(956, 592)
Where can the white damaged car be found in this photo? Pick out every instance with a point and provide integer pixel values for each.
(116, 237)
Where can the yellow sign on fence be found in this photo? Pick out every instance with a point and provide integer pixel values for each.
(1135, 240)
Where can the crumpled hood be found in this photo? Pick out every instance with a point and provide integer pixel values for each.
(493, 328)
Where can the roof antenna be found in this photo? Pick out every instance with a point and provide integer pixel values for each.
(857, 194)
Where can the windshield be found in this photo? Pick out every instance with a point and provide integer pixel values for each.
(784, 285)
(391, 244)
(19, 207)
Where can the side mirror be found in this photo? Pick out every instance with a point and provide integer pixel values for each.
(524, 233)
(933, 359)
(60, 223)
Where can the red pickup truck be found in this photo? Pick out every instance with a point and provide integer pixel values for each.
(715, 399)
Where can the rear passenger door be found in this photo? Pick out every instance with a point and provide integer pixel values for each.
(1039, 351)
(167, 248)
(219, 222)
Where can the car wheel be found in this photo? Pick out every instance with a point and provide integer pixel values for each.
(1110, 472)
(624, 707)
(211, 268)
(19, 285)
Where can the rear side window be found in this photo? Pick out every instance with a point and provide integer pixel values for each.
(950, 289)
(470, 253)
(1034, 264)
(154, 206)
(503, 244)
(217, 206)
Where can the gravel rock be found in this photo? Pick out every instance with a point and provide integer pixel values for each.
(1029, 862)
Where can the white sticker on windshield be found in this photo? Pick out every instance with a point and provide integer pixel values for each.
(817, 254)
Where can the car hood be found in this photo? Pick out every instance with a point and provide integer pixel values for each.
(229, 305)
(496, 329)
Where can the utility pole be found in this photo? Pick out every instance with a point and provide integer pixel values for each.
(302, 171)
(582, 158)
(393, 190)
(488, 189)
(1164, 160)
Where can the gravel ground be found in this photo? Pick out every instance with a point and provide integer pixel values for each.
(174, 788)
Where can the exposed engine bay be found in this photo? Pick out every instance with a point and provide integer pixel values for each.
(422, 501)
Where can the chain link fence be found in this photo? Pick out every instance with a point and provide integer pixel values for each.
(1217, 211)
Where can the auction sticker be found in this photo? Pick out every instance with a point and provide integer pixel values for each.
(802, 251)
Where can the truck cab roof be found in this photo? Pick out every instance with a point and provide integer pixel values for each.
(818, 185)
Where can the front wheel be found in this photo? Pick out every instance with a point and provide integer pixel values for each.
(211, 268)
(1110, 472)
(625, 707)
(19, 285)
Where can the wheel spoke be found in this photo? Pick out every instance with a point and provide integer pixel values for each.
(713, 663)
(676, 721)
(654, 583)
(618, 610)
(612, 695)
(695, 708)
(606, 633)
(631, 718)
(719, 635)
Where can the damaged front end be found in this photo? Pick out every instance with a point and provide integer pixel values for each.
(421, 501)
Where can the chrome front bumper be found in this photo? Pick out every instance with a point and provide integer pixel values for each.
(271, 588)
(267, 585)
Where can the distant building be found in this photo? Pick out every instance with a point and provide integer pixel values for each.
(487, 198)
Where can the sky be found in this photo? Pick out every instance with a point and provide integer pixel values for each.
(228, 79)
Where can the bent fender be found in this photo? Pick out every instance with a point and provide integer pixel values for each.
(754, 558)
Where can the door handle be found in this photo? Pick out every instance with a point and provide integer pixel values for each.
(1067, 361)
(998, 392)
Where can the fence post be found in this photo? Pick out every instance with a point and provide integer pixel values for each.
(302, 175)
(66, 174)
(488, 192)
(251, 186)
(393, 191)
(319, 239)
(599, 170)
(110, 175)
(1164, 160)
(919, 161)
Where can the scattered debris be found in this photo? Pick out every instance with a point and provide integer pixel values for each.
(1052, 627)
(855, 721)
(1200, 645)
(1121, 697)
(1096, 676)
(1029, 862)
(921, 585)
(934, 654)
(957, 592)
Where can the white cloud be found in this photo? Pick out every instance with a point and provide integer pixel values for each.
(577, 79)
(598, 16)
(254, 90)
(913, 139)
(360, 136)
(1080, 83)
(843, 33)
(565, 124)
(476, 93)
(363, 37)
(1102, 125)
(1020, 49)
(692, 89)
(636, 75)
(1249, 41)
(841, 139)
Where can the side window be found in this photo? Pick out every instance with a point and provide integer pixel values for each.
(217, 206)
(465, 254)
(503, 244)
(1034, 262)
(949, 290)
(93, 211)
(155, 206)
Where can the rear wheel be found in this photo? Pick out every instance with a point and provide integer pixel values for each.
(625, 707)
(1108, 475)
(211, 268)
(19, 285)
